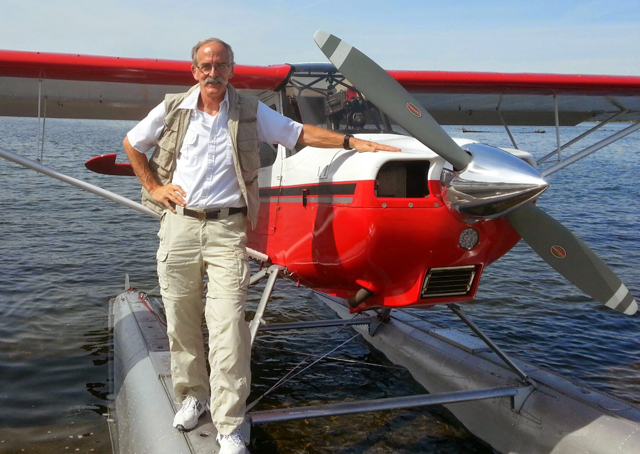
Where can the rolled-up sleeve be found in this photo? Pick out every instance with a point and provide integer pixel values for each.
(276, 128)
(144, 136)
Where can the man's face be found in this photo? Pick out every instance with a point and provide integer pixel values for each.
(214, 69)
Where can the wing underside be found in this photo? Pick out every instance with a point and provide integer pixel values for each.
(75, 86)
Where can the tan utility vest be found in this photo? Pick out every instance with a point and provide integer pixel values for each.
(243, 132)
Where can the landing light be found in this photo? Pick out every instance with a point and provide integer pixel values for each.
(468, 239)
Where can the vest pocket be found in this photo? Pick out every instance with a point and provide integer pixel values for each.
(168, 139)
(249, 156)
(163, 155)
(163, 174)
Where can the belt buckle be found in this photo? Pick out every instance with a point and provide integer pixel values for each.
(201, 215)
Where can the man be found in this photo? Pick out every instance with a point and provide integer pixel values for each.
(202, 178)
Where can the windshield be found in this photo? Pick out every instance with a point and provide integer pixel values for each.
(326, 99)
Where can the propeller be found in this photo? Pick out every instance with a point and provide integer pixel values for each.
(569, 256)
(394, 100)
(553, 242)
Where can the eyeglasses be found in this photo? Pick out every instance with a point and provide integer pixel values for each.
(219, 67)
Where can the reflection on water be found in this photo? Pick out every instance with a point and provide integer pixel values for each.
(64, 253)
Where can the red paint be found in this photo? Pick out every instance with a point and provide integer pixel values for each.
(339, 247)
(328, 243)
(173, 72)
(558, 252)
(129, 70)
(414, 110)
(480, 82)
(106, 165)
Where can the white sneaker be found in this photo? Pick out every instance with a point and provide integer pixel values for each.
(187, 417)
(232, 444)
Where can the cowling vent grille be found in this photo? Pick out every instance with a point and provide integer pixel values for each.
(448, 281)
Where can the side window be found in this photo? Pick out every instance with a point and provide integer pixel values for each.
(291, 109)
(268, 153)
(296, 149)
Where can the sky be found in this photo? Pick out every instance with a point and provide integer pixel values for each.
(560, 36)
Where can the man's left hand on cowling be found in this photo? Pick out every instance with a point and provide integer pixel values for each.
(366, 145)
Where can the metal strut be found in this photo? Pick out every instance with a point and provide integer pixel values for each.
(38, 167)
(593, 148)
(347, 408)
(517, 394)
(583, 135)
(40, 137)
(273, 272)
(458, 311)
(316, 324)
(506, 127)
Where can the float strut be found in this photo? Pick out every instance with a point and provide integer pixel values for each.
(273, 272)
(394, 403)
(524, 377)
(383, 317)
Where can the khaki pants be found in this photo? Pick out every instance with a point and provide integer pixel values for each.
(189, 248)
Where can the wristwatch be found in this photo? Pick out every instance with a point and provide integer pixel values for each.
(345, 144)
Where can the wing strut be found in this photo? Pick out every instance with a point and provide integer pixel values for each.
(29, 163)
(557, 117)
(506, 127)
(587, 151)
(40, 135)
(25, 162)
(583, 135)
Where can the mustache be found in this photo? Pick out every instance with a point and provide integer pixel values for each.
(215, 80)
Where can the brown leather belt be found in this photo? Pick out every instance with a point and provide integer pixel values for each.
(210, 214)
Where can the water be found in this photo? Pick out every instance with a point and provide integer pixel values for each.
(64, 253)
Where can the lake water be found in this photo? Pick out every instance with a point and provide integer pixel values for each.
(64, 253)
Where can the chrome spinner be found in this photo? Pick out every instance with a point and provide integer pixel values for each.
(493, 184)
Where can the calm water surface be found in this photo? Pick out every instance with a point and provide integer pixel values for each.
(64, 253)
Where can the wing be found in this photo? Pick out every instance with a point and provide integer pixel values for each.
(34, 84)
(467, 98)
(79, 86)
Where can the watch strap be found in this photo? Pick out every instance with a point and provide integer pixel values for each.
(345, 143)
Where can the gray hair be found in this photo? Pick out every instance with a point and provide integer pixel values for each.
(194, 51)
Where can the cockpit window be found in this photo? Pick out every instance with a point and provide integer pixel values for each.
(327, 99)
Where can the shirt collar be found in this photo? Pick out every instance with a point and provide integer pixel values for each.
(191, 101)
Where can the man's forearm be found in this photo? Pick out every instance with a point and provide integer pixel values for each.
(140, 166)
(168, 195)
(313, 136)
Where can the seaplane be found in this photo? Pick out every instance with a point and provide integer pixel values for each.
(374, 234)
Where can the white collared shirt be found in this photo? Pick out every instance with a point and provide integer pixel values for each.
(204, 168)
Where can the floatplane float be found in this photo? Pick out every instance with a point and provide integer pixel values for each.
(374, 234)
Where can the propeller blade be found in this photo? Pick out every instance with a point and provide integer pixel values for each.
(383, 90)
(569, 256)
